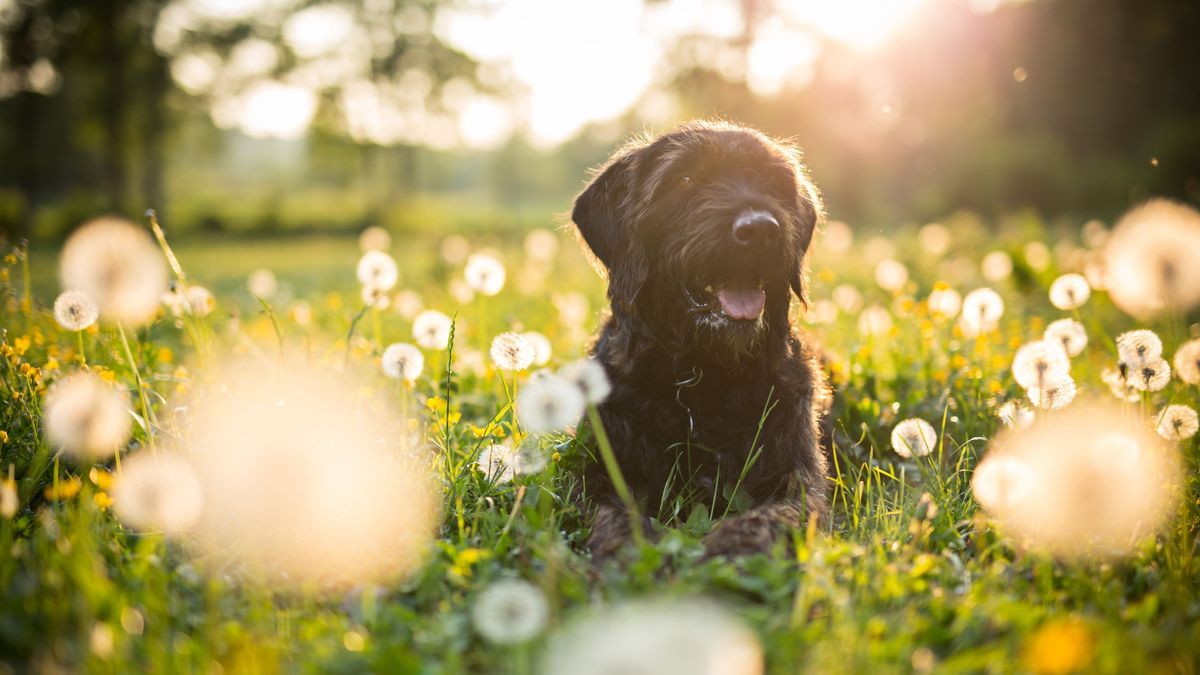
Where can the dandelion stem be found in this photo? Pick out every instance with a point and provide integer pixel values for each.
(614, 473)
(350, 333)
(82, 354)
(512, 516)
(27, 285)
(141, 387)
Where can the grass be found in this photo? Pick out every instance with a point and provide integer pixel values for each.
(909, 576)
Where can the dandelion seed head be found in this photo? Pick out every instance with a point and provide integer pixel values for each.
(484, 274)
(376, 298)
(945, 303)
(891, 275)
(542, 351)
(1014, 414)
(934, 238)
(549, 403)
(1037, 256)
(1070, 291)
(1137, 348)
(403, 361)
(200, 301)
(914, 437)
(512, 352)
(875, 320)
(301, 312)
(510, 612)
(1152, 376)
(262, 283)
(1178, 422)
(86, 417)
(1040, 363)
(1187, 361)
(878, 248)
(1152, 259)
(997, 266)
(497, 463)
(589, 377)
(408, 303)
(1052, 395)
(981, 312)
(655, 637)
(1119, 384)
(157, 493)
(75, 310)
(837, 236)
(374, 238)
(848, 298)
(541, 245)
(1069, 333)
(455, 249)
(1094, 482)
(117, 265)
(461, 291)
(305, 479)
(377, 270)
(822, 312)
(431, 329)
(1002, 482)
(573, 308)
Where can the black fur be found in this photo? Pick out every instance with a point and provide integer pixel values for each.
(690, 384)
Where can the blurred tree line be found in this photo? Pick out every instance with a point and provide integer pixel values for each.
(1070, 107)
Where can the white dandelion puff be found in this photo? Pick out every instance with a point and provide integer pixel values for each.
(542, 351)
(1014, 414)
(431, 329)
(1137, 348)
(573, 309)
(1152, 259)
(891, 275)
(262, 283)
(1037, 256)
(117, 264)
(408, 303)
(1070, 291)
(75, 310)
(997, 266)
(934, 238)
(1178, 422)
(981, 312)
(874, 320)
(374, 238)
(510, 612)
(376, 297)
(1187, 362)
(86, 416)
(461, 291)
(914, 437)
(549, 403)
(589, 376)
(541, 245)
(822, 312)
(377, 269)
(484, 274)
(837, 236)
(157, 492)
(497, 463)
(455, 249)
(659, 637)
(301, 312)
(944, 303)
(511, 352)
(200, 301)
(1040, 363)
(1069, 333)
(1052, 395)
(1002, 482)
(403, 361)
(1152, 376)
(848, 298)
(1119, 384)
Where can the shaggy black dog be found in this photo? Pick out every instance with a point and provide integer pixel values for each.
(703, 232)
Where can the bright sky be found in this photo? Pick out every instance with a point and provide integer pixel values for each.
(575, 62)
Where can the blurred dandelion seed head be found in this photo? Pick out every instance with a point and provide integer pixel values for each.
(118, 265)
(1138, 348)
(510, 612)
(1187, 361)
(1069, 333)
(1152, 259)
(944, 303)
(403, 361)
(914, 437)
(590, 378)
(484, 274)
(512, 352)
(1177, 422)
(158, 492)
(86, 417)
(1040, 364)
(377, 270)
(1052, 395)
(1070, 291)
(981, 312)
(431, 329)
(542, 350)
(549, 403)
(997, 266)
(374, 238)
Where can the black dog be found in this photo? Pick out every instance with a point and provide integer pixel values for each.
(703, 232)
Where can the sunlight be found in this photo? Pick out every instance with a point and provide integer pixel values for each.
(862, 24)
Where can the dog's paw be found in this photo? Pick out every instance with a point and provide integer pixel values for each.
(741, 536)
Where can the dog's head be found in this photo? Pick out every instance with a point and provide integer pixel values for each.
(703, 232)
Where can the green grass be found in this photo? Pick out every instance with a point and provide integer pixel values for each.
(891, 585)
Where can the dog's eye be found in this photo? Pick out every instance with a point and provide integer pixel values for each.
(686, 180)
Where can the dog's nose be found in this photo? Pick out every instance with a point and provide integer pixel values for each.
(754, 227)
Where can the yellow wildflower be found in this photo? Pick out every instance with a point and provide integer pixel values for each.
(101, 478)
(3, 437)
(1059, 646)
(51, 365)
(66, 489)
(102, 500)
(21, 345)
(165, 355)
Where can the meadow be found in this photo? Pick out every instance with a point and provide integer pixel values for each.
(919, 570)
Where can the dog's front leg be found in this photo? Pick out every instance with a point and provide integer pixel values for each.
(611, 529)
(756, 530)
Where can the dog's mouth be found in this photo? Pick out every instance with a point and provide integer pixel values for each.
(741, 298)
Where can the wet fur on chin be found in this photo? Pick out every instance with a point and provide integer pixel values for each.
(690, 383)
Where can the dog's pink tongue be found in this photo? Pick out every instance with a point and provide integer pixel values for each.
(742, 302)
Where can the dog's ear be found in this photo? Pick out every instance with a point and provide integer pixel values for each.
(809, 214)
(601, 214)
